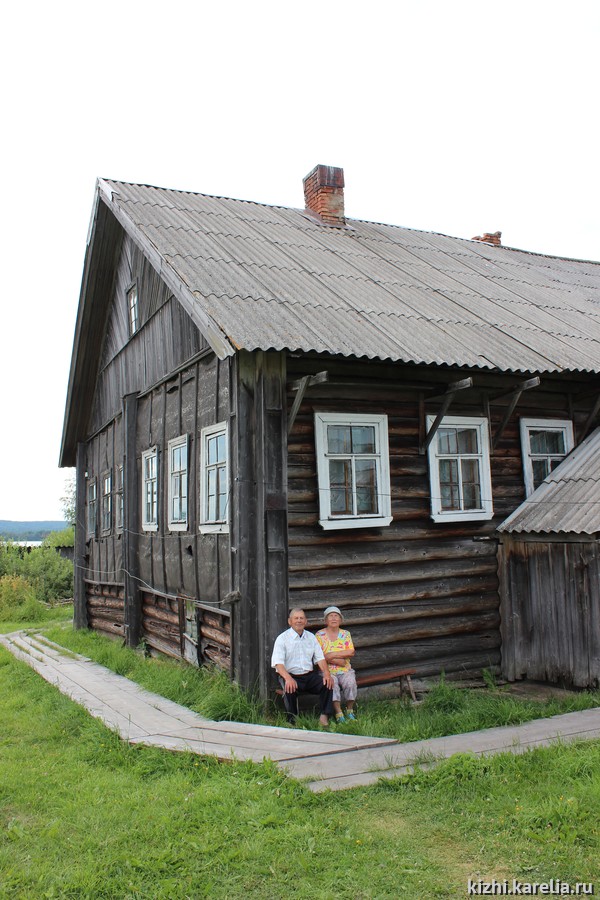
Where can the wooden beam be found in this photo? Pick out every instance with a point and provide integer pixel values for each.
(452, 388)
(300, 386)
(523, 386)
(515, 397)
(131, 525)
(449, 395)
(590, 419)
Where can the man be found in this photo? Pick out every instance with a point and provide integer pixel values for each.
(294, 655)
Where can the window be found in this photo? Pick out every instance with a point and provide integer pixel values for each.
(91, 506)
(459, 470)
(150, 489)
(214, 490)
(544, 444)
(132, 306)
(178, 483)
(106, 503)
(352, 470)
(119, 510)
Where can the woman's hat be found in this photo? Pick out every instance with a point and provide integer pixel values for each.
(331, 609)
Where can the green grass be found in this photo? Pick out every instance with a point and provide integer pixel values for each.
(47, 616)
(84, 815)
(446, 709)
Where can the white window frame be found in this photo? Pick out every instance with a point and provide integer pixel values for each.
(106, 502)
(383, 517)
(206, 525)
(530, 424)
(92, 507)
(177, 443)
(133, 309)
(480, 423)
(119, 498)
(149, 524)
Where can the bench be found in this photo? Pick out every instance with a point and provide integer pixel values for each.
(403, 676)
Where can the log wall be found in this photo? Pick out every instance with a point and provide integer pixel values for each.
(105, 605)
(550, 610)
(416, 593)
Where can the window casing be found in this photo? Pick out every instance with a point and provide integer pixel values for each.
(178, 483)
(92, 506)
(214, 484)
(133, 309)
(150, 489)
(459, 470)
(106, 503)
(119, 508)
(544, 444)
(352, 470)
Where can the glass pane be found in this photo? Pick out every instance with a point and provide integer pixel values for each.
(449, 485)
(467, 440)
(339, 439)
(547, 442)
(447, 440)
(541, 468)
(340, 482)
(363, 439)
(211, 495)
(471, 484)
(221, 448)
(366, 486)
(212, 450)
(222, 493)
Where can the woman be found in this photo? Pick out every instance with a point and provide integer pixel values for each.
(338, 649)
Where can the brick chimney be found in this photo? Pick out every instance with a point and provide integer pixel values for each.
(324, 194)
(488, 238)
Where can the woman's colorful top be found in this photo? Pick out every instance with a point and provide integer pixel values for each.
(342, 642)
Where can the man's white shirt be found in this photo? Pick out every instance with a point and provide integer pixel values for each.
(297, 653)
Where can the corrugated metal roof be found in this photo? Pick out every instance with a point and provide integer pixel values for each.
(568, 501)
(274, 278)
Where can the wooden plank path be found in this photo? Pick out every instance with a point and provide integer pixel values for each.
(142, 717)
(327, 760)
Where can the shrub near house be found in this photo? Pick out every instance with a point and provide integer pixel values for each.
(30, 577)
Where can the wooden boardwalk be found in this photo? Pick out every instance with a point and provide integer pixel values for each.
(327, 760)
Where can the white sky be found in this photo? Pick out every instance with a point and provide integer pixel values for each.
(457, 117)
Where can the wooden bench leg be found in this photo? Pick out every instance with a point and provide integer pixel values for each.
(405, 682)
(411, 690)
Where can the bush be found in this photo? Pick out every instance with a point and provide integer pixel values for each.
(18, 602)
(48, 573)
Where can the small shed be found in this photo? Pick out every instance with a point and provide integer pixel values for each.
(549, 569)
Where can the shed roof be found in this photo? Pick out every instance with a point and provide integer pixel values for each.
(568, 501)
(264, 277)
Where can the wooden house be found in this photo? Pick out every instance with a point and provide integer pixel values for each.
(549, 565)
(273, 407)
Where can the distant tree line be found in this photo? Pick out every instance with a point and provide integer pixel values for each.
(28, 531)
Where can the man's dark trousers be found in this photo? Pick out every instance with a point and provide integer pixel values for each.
(310, 683)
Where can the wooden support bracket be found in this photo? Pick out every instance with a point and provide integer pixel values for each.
(448, 396)
(300, 387)
(515, 396)
(590, 419)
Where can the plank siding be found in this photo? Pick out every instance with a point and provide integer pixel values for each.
(550, 610)
(165, 339)
(172, 399)
(416, 593)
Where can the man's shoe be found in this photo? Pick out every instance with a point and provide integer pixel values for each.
(350, 716)
(340, 718)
